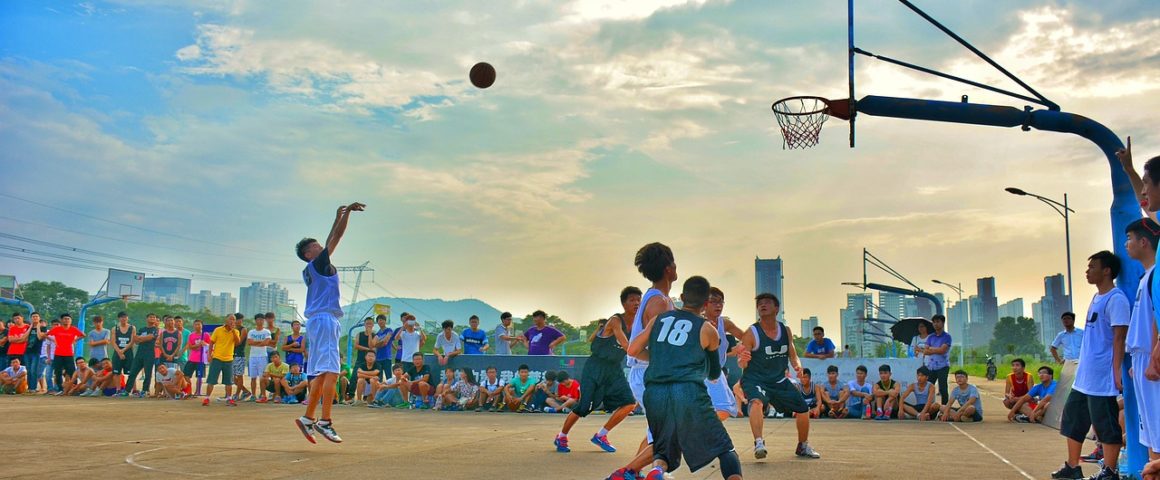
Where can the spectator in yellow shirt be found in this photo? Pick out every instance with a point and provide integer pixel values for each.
(222, 342)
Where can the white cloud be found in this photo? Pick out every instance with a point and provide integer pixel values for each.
(603, 10)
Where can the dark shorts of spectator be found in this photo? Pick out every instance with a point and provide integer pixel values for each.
(122, 367)
(384, 368)
(1083, 412)
(220, 372)
(193, 367)
(978, 417)
(415, 389)
(684, 424)
(782, 396)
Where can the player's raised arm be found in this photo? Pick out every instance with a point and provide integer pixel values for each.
(339, 228)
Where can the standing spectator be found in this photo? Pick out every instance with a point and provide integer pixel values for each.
(222, 342)
(47, 355)
(182, 337)
(820, 347)
(1070, 339)
(918, 343)
(239, 362)
(274, 378)
(3, 344)
(970, 407)
(858, 394)
(447, 344)
(295, 345)
(14, 379)
(1143, 236)
(519, 390)
(505, 335)
(65, 337)
(848, 352)
(474, 339)
(935, 355)
(1018, 383)
(1092, 401)
(394, 339)
(259, 340)
(542, 339)
(98, 340)
(170, 344)
(1032, 407)
(410, 341)
(925, 407)
(195, 347)
(296, 385)
(885, 394)
(419, 375)
(834, 400)
(490, 391)
(17, 338)
(382, 342)
(275, 336)
(122, 345)
(144, 357)
(36, 334)
(365, 341)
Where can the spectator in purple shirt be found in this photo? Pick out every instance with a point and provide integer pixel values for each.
(542, 338)
(820, 347)
(935, 355)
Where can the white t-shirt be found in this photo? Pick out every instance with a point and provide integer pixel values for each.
(1142, 329)
(448, 345)
(258, 335)
(1094, 374)
(410, 344)
(491, 387)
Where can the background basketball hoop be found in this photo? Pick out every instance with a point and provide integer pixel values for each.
(801, 118)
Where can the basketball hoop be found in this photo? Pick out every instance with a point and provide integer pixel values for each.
(801, 118)
(125, 299)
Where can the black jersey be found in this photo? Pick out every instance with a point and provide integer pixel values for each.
(770, 359)
(675, 351)
(607, 349)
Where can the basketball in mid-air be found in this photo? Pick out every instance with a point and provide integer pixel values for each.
(482, 75)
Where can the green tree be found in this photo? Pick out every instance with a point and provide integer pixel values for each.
(1016, 336)
(799, 343)
(49, 298)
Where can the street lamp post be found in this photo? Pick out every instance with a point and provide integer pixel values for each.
(959, 290)
(1066, 231)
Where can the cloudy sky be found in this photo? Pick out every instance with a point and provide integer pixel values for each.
(213, 134)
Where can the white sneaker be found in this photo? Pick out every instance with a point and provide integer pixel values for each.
(759, 451)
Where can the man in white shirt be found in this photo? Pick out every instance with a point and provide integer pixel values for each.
(505, 335)
(1069, 340)
(259, 340)
(447, 344)
(1143, 235)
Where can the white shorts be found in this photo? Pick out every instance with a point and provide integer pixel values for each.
(323, 330)
(722, 395)
(636, 384)
(257, 366)
(1147, 396)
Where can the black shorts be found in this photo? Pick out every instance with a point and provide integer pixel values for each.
(782, 396)
(1083, 411)
(193, 367)
(384, 368)
(122, 366)
(602, 385)
(683, 422)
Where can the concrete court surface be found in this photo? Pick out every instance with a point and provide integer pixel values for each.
(90, 438)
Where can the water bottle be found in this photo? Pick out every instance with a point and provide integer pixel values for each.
(1122, 463)
(867, 410)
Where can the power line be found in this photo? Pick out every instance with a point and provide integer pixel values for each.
(207, 274)
(51, 262)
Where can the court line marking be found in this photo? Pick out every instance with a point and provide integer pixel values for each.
(131, 459)
(127, 441)
(996, 454)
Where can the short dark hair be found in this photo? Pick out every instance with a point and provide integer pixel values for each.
(1107, 260)
(1020, 362)
(417, 355)
(1147, 229)
(562, 376)
(695, 291)
(473, 317)
(1068, 314)
(1050, 371)
(98, 319)
(523, 366)
(961, 372)
(269, 316)
(832, 369)
(490, 368)
(884, 368)
(14, 315)
(861, 368)
(1152, 170)
(628, 292)
(819, 329)
(64, 315)
(923, 371)
(448, 324)
(380, 317)
(550, 376)
(505, 315)
(365, 320)
(938, 317)
(652, 260)
(716, 291)
(806, 371)
(122, 314)
(397, 366)
(275, 354)
(539, 313)
(768, 296)
(300, 248)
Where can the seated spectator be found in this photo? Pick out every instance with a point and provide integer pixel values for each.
(419, 378)
(810, 393)
(392, 392)
(368, 379)
(14, 379)
(464, 392)
(519, 391)
(970, 406)
(170, 382)
(545, 389)
(105, 383)
(567, 394)
(1032, 406)
(274, 378)
(858, 395)
(295, 385)
(80, 381)
(342, 384)
(833, 403)
(885, 394)
(1018, 383)
(925, 406)
(820, 347)
(490, 390)
(444, 387)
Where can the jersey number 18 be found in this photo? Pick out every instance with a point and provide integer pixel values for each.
(674, 333)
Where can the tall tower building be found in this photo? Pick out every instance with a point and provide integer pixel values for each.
(770, 277)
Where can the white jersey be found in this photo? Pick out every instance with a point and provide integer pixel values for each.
(638, 322)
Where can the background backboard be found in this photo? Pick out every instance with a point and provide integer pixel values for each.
(8, 287)
(124, 283)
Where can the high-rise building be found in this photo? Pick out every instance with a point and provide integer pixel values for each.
(168, 290)
(1037, 314)
(770, 278)
(261, 297)
(854, 325)
(808, 325)
(1013, 309)
(989, 303)
(958, 317)
(892, 306)
(221, 305)
(1053, 304)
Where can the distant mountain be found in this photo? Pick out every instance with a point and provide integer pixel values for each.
(426, 310)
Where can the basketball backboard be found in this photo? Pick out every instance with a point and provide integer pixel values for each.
(8, 287)
(125, 284)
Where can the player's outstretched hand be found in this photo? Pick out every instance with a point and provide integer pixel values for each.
(356, 207)
(1125, 154)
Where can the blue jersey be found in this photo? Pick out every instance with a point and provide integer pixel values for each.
(921, 393)
(321, 287)
(473, 341)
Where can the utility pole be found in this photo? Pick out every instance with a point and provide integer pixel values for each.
(358, 279)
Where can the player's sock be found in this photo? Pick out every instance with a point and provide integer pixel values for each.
(602, 432)
(561, 435)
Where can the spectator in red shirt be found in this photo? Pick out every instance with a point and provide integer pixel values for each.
(567, 393)
(66, 336)
(17, 337)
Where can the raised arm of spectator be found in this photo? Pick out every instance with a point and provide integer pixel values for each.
(1125, 157)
